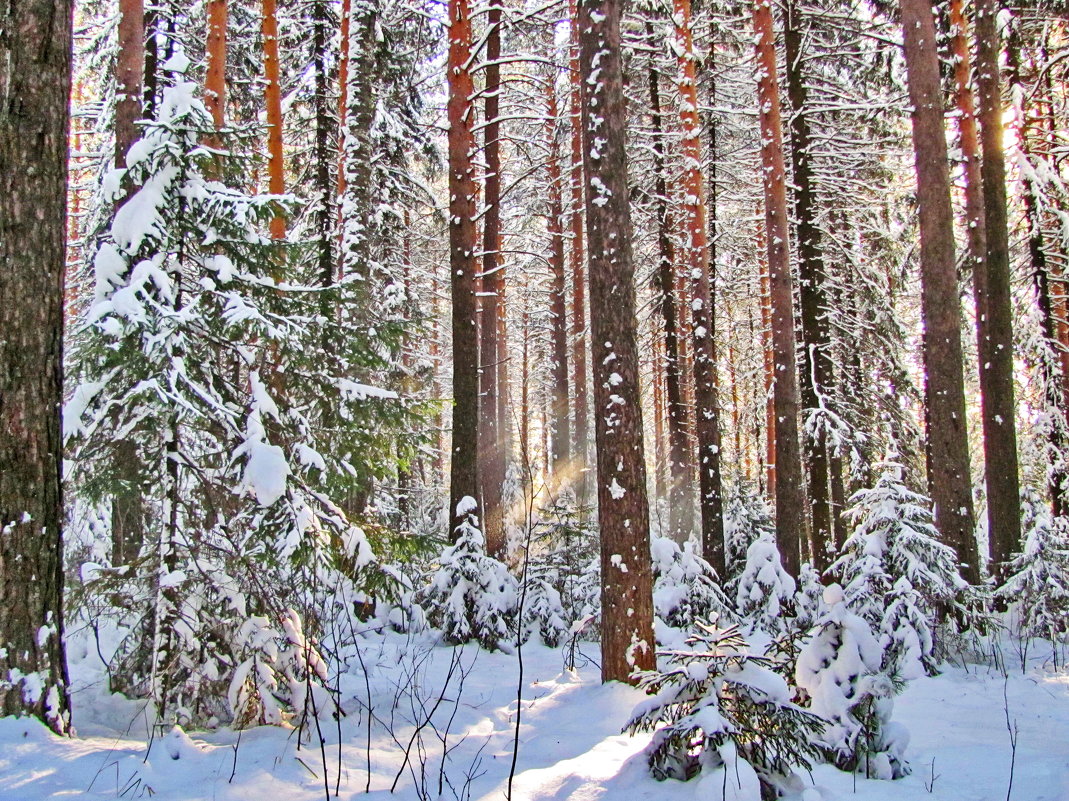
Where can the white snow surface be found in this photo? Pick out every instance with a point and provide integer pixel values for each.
(570, 746)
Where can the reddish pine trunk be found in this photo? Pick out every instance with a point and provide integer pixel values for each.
(129, 71)
(463, 479)
(791, 523)
(215, 79)
(996, 368)
(35, 83)
(948, 446)
(343, 89)
(623, 513)
(703, 319)
(273, 97)
(491, 431)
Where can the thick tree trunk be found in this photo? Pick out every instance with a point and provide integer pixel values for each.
(276, 180)
(680, 490)
(703, 318)
(578, 253)
(215, 50)
(35, 83)
(463, 266)
(491, 433)
(561, 429)
(817, 373)
(129, 71)
(791, 522)
(996, 367)
(948, 446)
(623, 513)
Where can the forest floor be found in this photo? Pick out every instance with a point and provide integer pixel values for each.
(570, 745)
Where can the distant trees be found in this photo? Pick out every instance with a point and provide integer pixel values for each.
(35, 82)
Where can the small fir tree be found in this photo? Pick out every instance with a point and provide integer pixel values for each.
(765, 594)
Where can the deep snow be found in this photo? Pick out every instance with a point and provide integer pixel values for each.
(570, 743)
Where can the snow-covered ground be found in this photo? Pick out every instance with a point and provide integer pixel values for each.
(570, 746)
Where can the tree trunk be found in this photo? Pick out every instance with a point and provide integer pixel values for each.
(343, 88)
(623, 513)
(129, 69)
(817, 373)
(463, 478)
(680, 491)
(948, 446)
(996, 366)
(791, 523)
(276, 180)
(579, 343)
(35, 83)
(324, 214)
(491, 433)
(561, 433)
(215, 79)
(703, 318)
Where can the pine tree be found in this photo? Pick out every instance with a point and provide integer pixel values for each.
(35, 81)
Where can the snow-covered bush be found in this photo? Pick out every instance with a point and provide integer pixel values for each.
(471, 596)
(746, 517)
(809, 599)
(1037, 584)
(840, 669)
(221, 411)
(279, 668)
(566, 556)
(685, 588)
(765, 595)
(543, 613)
(895, 538)
(718, 701)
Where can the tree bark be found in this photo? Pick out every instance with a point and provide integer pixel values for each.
(129, 71)
(463, 478)
(703, 319)
(491, 433)
(948, 446)
(996, 366)
(791, 523)
(215, 79)
(680, 491)
(35, 84)
(623, 512)
(817, 372)
(276, 180)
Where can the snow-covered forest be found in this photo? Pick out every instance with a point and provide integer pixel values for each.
(480, 399)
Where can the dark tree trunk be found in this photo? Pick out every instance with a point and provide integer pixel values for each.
(791, 522)
(623, 512)
(561, 430)
(816, 374)
(463, 266)
(948, 447)
(324, 183)
(703, 318)
(680, 491)
(35, 84)
(491, 432)
(996, 366)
